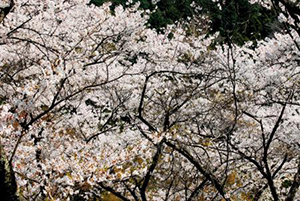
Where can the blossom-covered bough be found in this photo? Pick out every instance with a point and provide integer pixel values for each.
(95, 106)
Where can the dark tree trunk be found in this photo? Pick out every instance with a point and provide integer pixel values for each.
(8, 184)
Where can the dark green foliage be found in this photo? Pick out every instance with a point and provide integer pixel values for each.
(237, 21)
(158, 21)
(145, 4)
(2, 100)
(170, 11)
(286, 183)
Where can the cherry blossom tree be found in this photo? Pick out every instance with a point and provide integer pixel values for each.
(95, 106)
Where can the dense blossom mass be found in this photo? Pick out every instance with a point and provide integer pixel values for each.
(96, 106)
